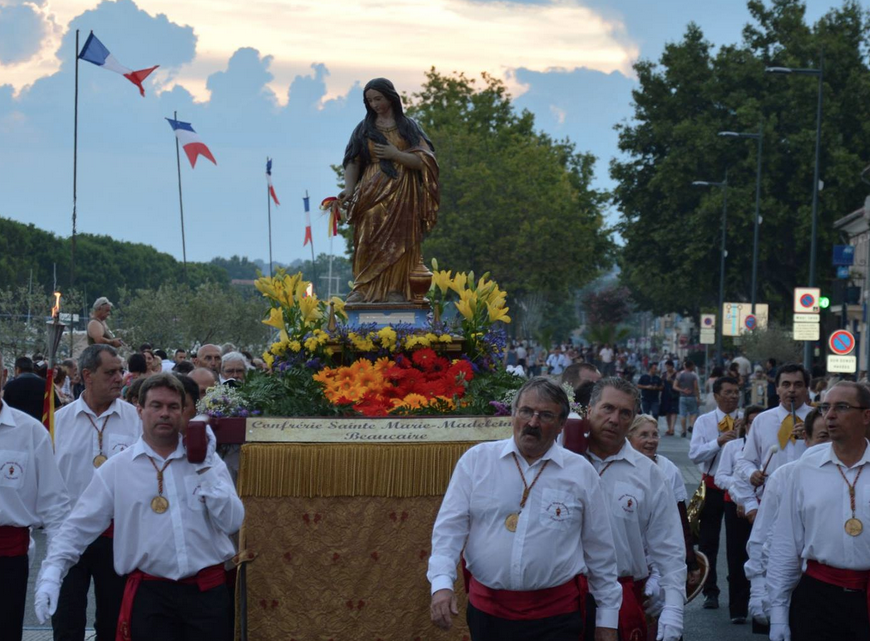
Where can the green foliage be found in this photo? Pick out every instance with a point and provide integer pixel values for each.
(512, 198)
(292, 393)
(671, 229)
(492, 387)
(772, 342)
(103, 266)
(175, 316)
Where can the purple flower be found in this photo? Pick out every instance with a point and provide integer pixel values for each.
(500, 408)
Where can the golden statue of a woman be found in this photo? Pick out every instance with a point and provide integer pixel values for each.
(391, 191)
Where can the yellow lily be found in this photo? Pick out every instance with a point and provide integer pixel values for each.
(310, 309)
(498, 313)
(442, 280)
(266, 286)
(458, 283)
(339, 306)
(276, 319)
(464, 307)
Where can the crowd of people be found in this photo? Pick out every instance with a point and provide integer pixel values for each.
(567, 528)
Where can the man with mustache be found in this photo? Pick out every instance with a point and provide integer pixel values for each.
(777, 435)
(819, 567)
(643, 515)
(533, 523)
(89, 431)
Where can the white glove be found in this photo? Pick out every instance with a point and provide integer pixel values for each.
(670, 623)
(655, 596)
(759, 606)
(780, 632)
(47, 593)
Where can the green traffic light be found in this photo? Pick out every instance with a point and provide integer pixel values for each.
(824, 302)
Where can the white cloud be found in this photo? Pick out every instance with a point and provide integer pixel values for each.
(366, 38)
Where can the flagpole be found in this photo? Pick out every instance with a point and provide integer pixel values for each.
(72, 260)
(313, 265)
(269, 209)
(180, 202)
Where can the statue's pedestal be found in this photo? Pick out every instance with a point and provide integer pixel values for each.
(383, 314)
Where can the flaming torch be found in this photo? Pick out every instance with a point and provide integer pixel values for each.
(54, 332)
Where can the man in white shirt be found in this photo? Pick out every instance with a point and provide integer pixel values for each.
(532, 521)
(557, 361)
(712, 431)
(605, 355)
(642, 511)
(777, 436)
(819, 567)
(32, 494)
(172, 519)
(88, 432)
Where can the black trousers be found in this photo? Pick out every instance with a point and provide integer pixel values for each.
(13, 578)
(486, 627)
(711, 526)
(737, 532)
(824, 612)
(167, 611)
(96, 563)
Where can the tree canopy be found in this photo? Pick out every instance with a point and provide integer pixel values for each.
(670, 228)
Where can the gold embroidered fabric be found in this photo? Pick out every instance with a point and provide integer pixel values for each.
(352, 567)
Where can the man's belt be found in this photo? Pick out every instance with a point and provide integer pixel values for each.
(14, 541)
(205, 579)
(632, 618)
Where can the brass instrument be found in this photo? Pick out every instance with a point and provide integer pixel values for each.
(693, 510)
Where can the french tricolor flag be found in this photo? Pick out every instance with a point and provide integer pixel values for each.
(190, 141)
(269, 181)
(308, 238)
(95, 52)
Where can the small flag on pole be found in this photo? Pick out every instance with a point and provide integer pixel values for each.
(308, 238)
(269, 181)
(190, 141)
(96, 53)
(48, 403)
(333, 206)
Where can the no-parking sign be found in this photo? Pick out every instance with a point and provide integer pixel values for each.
(806, 300)
(841, 342)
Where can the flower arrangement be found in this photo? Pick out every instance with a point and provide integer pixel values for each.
(321, 365)
(223, 401)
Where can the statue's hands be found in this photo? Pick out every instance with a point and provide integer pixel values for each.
(386, 152)
(344, 195)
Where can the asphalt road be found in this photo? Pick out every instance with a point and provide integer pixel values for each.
(699, 625)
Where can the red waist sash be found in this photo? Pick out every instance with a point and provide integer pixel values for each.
(205, 579)
(525, 605)
(632, 618)
(14, 541)
(110, 531)
(849, 579)
(709, 481)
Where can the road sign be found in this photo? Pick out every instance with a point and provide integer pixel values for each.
(841, 342)
(750, 322)
(842, 364)
(843, 272)
(734, 317)
(807, 318)
(844, 255)
(806, 300)
(708, 336)
(806, 331)
(708, 321)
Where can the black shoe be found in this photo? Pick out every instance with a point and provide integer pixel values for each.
(738, 620)
(711, 602)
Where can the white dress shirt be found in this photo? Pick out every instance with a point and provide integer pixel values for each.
(810, 524)
(32, 492)
(562, 531)
(704, 450)
(725, 477)
(758, 545)
(763, 435)
(77, 443)
(673, 476)
(191, 535)
(643, 516)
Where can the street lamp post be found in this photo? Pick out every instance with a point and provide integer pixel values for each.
(760, 138)
(808, 348)
(720, 321)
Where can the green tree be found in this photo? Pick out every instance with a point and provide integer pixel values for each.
(671, 230)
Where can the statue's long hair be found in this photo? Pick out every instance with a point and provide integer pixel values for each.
(366, 130)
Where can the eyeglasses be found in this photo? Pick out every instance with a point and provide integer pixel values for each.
(546, 417)
(824, 408)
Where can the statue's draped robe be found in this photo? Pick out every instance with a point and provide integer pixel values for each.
(390, 217)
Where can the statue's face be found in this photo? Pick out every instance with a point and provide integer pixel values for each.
(378, 102)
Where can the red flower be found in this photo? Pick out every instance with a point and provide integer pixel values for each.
(424, 358)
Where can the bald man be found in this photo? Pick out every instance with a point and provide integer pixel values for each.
(209, 356)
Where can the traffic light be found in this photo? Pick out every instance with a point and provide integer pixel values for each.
(824, 302)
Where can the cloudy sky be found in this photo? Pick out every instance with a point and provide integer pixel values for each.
(283, 78)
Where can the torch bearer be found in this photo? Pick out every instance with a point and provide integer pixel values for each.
(54, 332)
